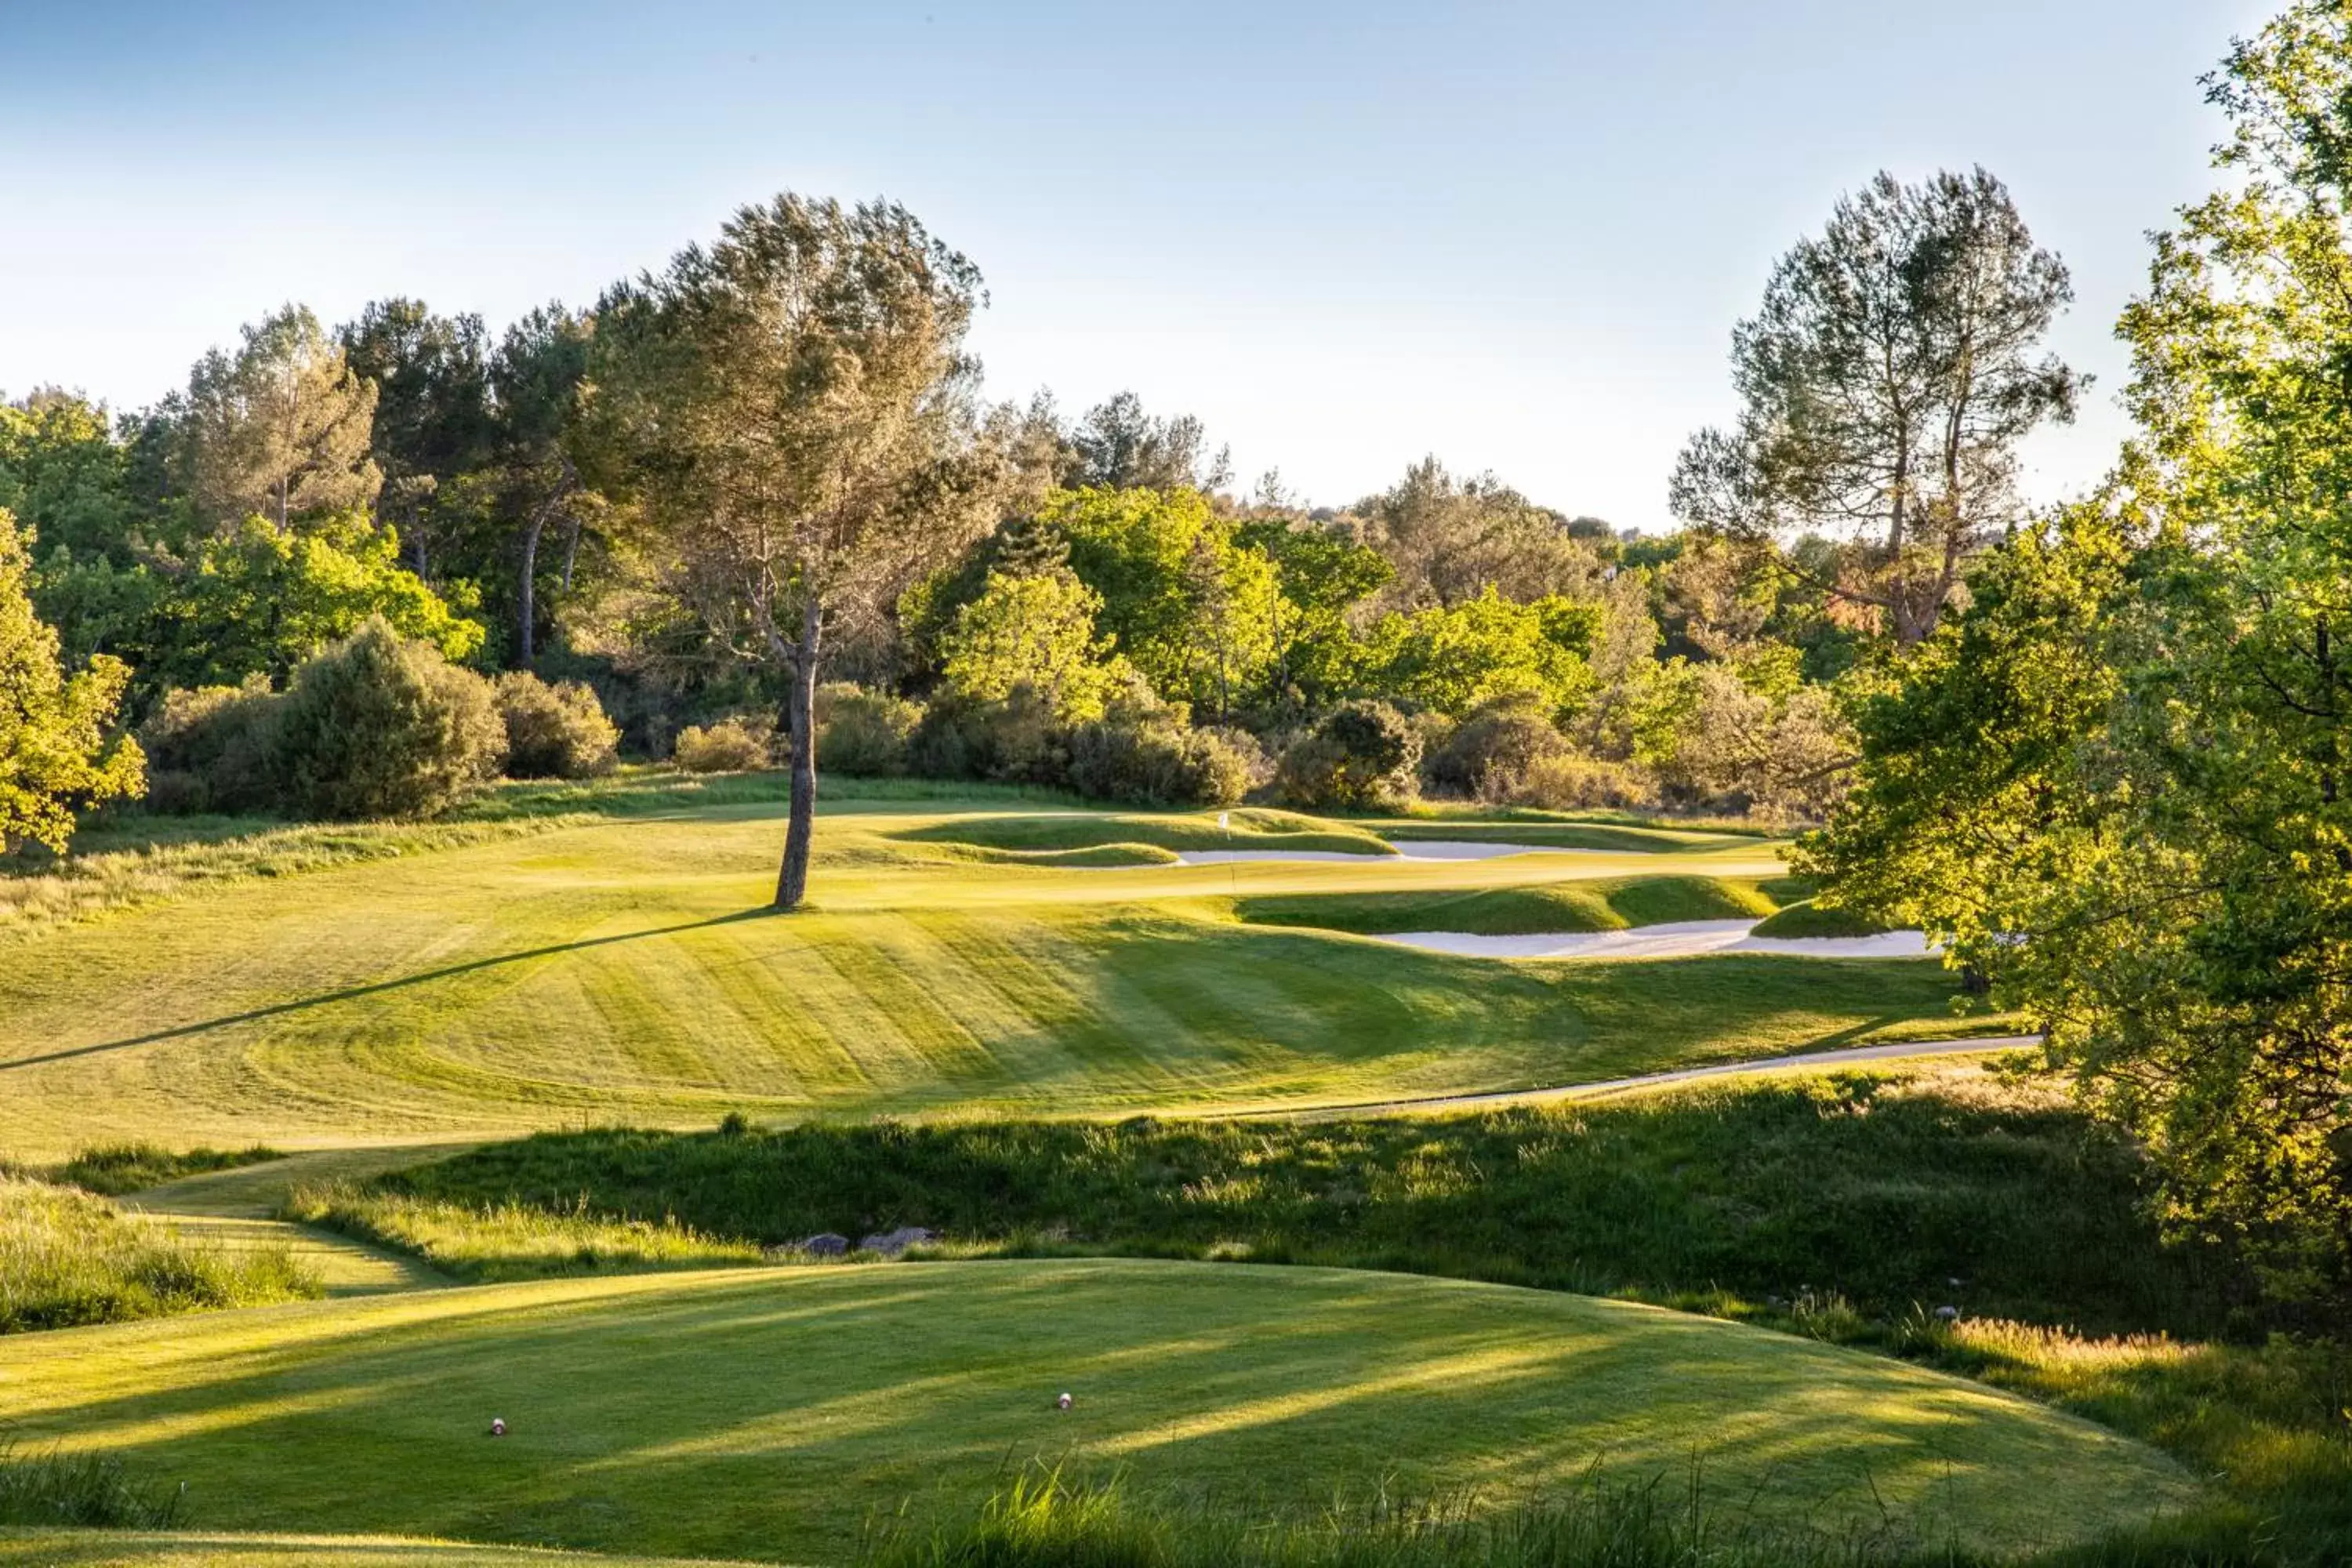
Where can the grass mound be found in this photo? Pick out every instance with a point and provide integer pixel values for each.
(1806, 919)
(113, 1169)
(1248, 828)
(68, 1258)
(1502, 827)
(775, 1411)
(1090, 854)
(1611, 904)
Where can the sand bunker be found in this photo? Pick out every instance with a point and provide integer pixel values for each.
(1682, 939)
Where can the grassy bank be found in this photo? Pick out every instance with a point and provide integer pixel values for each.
(1805, 917)
(1242, 828)
(113, 1169)
(1868, 1191)
(68, 1258)
(1600, 904)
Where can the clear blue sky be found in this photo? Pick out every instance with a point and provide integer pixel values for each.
(1345, 235)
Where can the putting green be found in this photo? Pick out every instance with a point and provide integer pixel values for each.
(625, 971)
(767, 1412)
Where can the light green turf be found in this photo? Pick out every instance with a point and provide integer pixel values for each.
(210, 1549)
(624, 970)
(767, 1412)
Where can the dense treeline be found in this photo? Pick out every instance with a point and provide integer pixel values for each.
(925, 583)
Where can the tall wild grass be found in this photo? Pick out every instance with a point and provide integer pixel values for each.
(79, 1492)
(68, 1259)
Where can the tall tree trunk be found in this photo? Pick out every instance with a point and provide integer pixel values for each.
(792, 880)
(526, 596)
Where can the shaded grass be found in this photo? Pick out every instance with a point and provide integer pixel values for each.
(111, 1170)
(771, 1411)
(1600, 904)
(68, 1258)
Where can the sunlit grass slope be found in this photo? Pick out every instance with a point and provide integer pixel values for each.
(767, 1412)
(622, 969)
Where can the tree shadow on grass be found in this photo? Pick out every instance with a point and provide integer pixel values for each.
(353, 993)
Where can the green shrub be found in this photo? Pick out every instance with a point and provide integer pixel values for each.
(1149, 754)
(1362, 755)
(726, 747)
(379, 727)
(1490, 752)
(68, 1259)
(1016, 740)
(557, 732)
(1571, 781)
(213, 749)
(863, 734)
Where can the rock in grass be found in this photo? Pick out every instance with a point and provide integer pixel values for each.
(891, 1243)
(825, 1244)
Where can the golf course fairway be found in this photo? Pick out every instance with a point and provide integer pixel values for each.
(769, 1412)
(625, 969)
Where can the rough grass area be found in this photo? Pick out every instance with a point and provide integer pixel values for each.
(68, 1258)
(774, 1412)
(1806, 918)
(488, 1244)
(1043, 1517)
(1611, 904)
(114, 1168)
(79, 1491)
(1246, 828)
(53, 1547)
(1871, 1189)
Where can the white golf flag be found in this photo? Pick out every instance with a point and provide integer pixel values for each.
(1226, 821)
